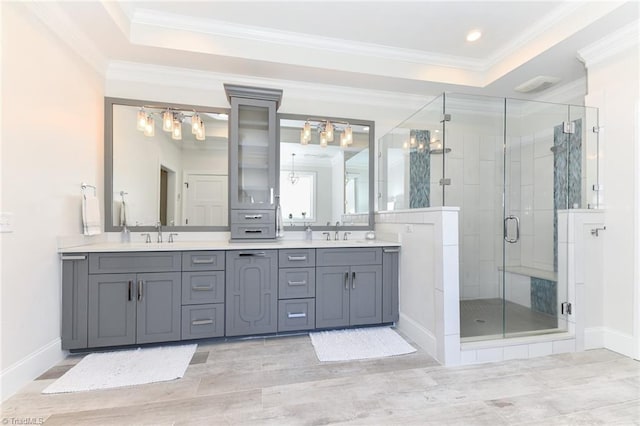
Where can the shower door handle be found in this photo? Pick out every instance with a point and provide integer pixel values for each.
(506, 227)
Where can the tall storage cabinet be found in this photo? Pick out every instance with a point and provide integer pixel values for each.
(253, 173)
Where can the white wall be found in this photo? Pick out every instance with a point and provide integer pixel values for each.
(613, 69)
(52, 114)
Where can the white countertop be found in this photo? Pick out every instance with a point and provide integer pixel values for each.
(222, 245)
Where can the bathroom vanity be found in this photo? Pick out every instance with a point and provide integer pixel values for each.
(124, 294)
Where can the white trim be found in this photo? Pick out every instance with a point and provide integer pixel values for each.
(194, 79)
(418, 334)
(636, 272)
(618, 342)
(594, 337)
(263, 35)
(28, 368)
(613, 44)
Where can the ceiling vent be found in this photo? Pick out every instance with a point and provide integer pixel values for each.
(537, 84)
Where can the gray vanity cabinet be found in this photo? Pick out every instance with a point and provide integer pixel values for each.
(349, 292)
(390, 269)
(133, 308)
(252, 161)
(75, 283)
(251, 292)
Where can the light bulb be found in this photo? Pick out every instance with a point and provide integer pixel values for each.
(329, 131)
(200, 134)
(413, 141)
(307, 131)
(167, 121)
(195, 124)
(348, 133)
(303, 138)
(323, 139)
(142, 120)
(343, 140)
(176, 131)
(150, 127)
(405, 145)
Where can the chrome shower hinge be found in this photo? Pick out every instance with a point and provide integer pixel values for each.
(445, 117)
(568, 127)
(445, 181)
(565, 308)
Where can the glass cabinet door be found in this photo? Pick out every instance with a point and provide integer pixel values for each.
(253, 176)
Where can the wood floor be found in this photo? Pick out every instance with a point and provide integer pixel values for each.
(279, 381)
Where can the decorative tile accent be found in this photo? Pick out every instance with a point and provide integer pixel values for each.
(419, 170)
(544, 296)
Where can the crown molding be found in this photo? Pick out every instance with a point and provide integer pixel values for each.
(146, 17)
(617, 42)
(204, 80)
(52, 16)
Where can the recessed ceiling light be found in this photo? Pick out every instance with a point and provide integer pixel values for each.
(474, 35)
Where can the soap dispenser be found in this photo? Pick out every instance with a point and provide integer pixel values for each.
(308, 232)
(125, 235)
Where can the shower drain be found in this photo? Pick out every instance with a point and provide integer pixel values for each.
(480, 321)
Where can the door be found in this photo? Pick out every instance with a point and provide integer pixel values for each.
(251, 292)
(206, 200)
(365, 300)
(112, 310)
(332, 296)
(253, 154)
(536, 185)
(158, 309)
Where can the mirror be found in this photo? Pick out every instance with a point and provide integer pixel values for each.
(324, 185)
(152, 175)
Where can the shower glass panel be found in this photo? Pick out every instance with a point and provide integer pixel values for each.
(411, 163)
(474, 167)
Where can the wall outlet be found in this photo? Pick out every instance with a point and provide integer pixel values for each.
(408, 228)
(6, 222)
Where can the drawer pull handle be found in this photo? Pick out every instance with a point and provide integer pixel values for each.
(346, 281)
(296, 314)
(258, 254)
(201, 261)
(253, 216)
(391, 250)
(292, 258)
(130, 286)
(353, 280)
(140, 289)
(303, 282)
(201, 288)
(80, 257)
(202, 322)
(253, 231)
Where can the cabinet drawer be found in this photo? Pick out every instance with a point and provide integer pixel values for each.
(100, 263)
(296, 283)
(200, 321)
(251, 217)
(296, 258)
(203, 261)
(202, 287)
(253, 232)
(296, 314)
(349, 256)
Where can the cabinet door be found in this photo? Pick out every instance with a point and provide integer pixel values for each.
(75, 281)
(390, 268)
(158, 307)
(251, 292)
(332, 296)
(366, 295)
(112, 310)
(253, 154)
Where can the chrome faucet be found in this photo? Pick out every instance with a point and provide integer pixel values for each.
(335, 234)
(148, 239)
(171, 236)
(346, 233)
(328, 234)
(159, 230)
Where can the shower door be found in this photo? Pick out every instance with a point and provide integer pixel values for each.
(536, 160)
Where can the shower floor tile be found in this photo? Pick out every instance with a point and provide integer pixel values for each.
(483, 317)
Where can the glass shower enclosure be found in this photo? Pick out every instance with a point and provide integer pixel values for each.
(510, 166)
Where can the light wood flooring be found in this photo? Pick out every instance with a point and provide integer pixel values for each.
(279, 381)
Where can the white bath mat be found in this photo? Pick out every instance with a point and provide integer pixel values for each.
(360, 343)
(125, 368)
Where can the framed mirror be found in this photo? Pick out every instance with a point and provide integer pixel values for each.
(324, 181)
(165, 163)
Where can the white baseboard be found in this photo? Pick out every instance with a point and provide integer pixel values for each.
(420, 335)
(604, 337)
(19, 374)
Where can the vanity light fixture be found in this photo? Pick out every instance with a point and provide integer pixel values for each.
(171, 122)
(176, 131)
(150, 126)
(167, 121)
(327, 131)
(141, 121)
